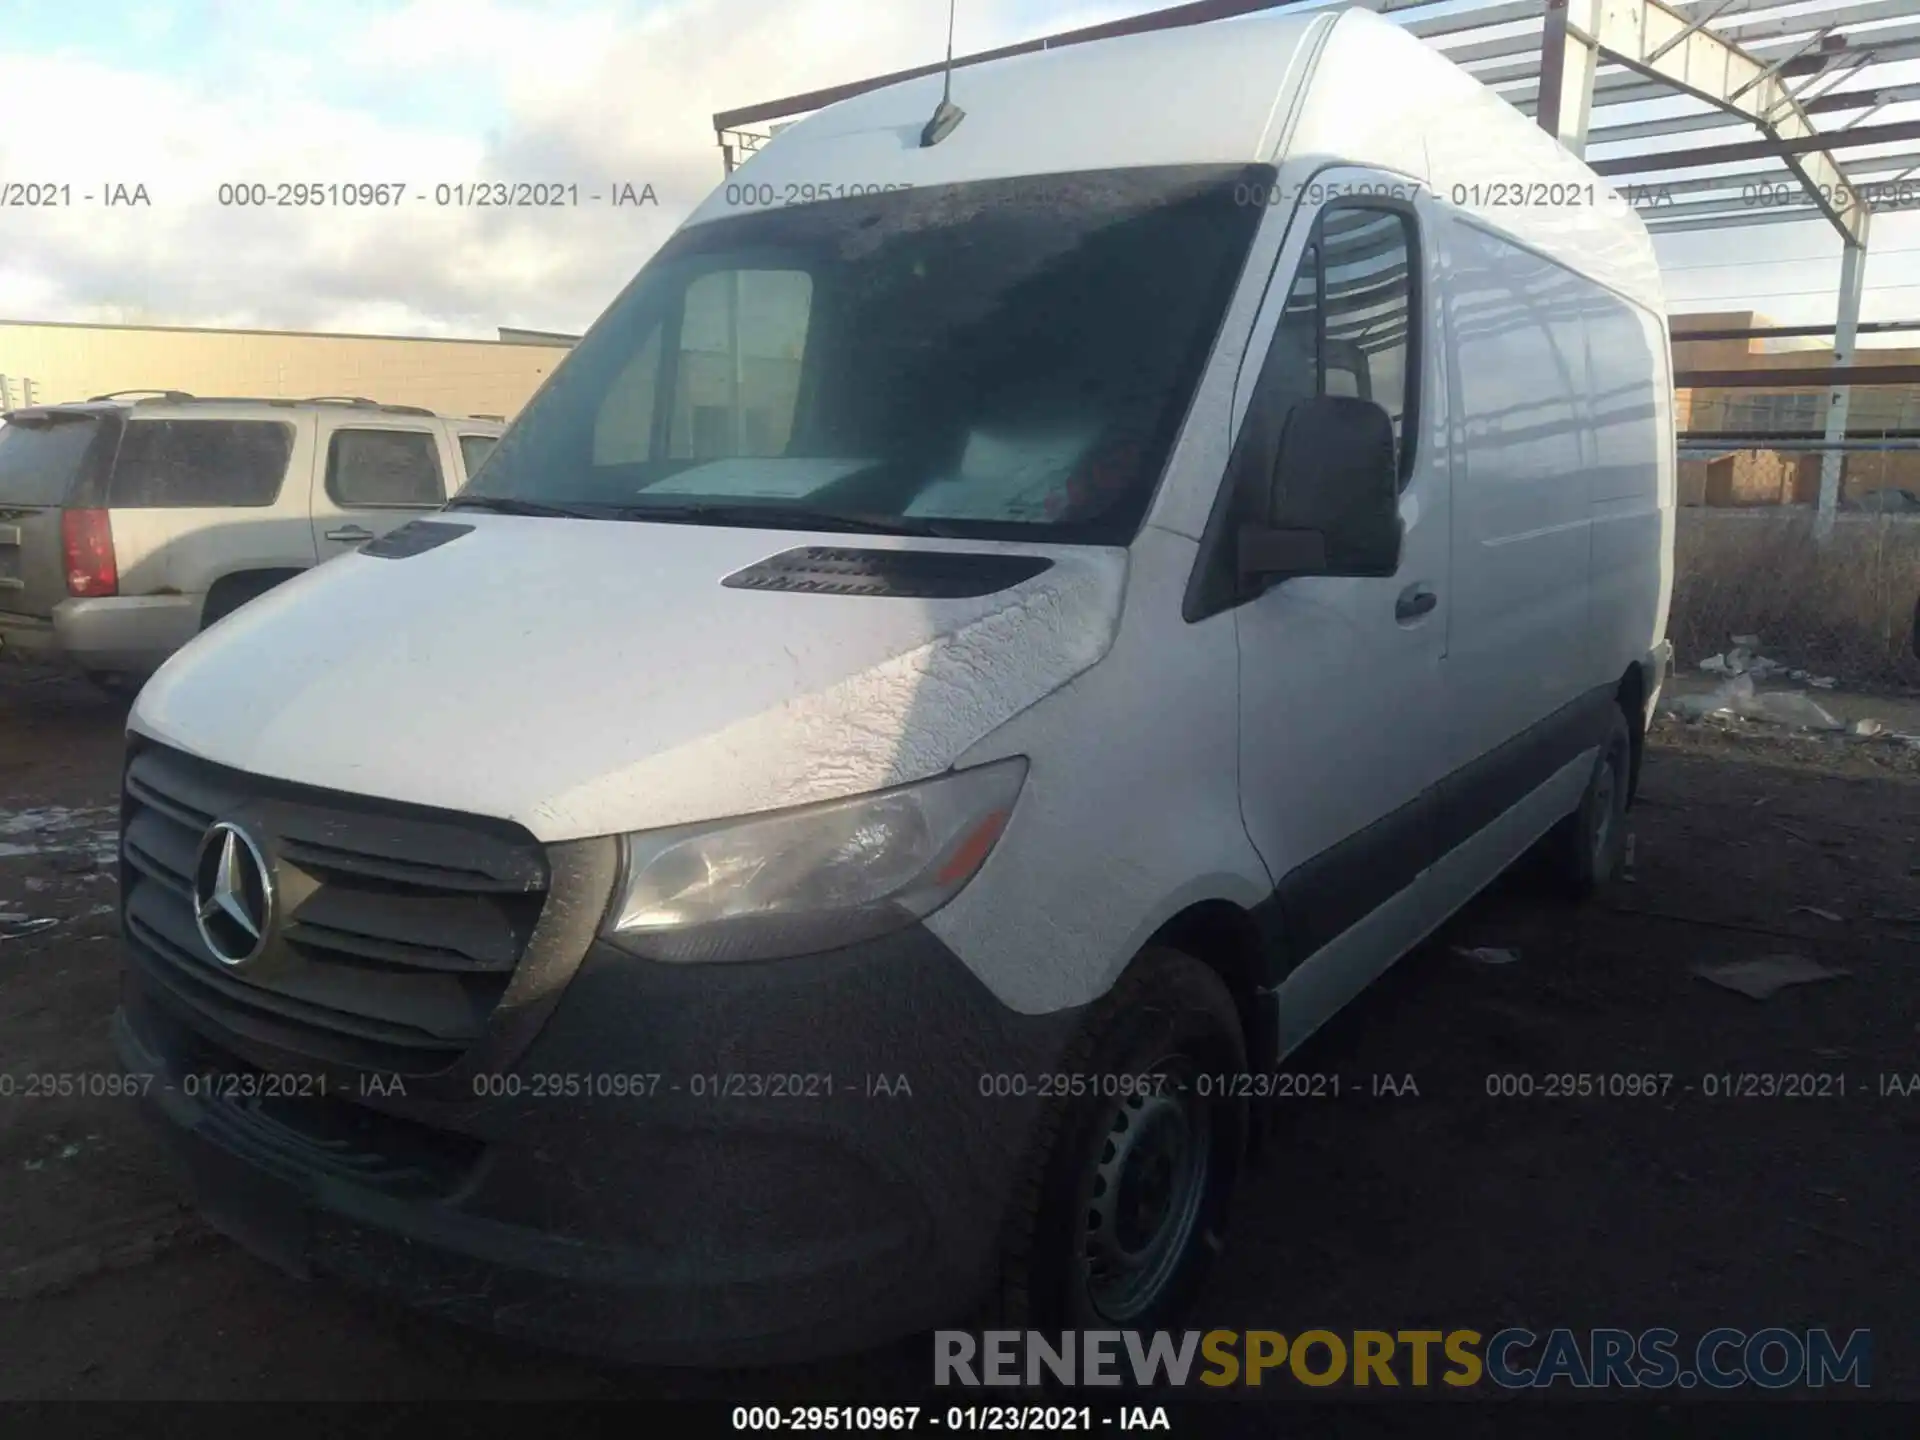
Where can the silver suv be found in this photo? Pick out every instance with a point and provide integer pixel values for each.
(131, 522)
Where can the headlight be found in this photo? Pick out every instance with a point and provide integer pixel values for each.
(813, 878)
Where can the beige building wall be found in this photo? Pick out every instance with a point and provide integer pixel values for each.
(455, 377)
(1752, 477)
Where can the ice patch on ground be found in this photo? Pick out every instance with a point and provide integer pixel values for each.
(45, 829)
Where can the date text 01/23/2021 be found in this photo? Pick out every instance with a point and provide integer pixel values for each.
(498, 1085)
(910, 1419)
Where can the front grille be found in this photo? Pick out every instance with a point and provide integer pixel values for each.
(400, 927)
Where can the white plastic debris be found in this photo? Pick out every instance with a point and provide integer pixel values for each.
(15, 927)
(1821, 682)
(1867, 727)
(1735, 698)
(1815, 910)
(1714, 664)
(1765, 977)
(1799, 675)
(1791, 708)
(1723, 700)
(1487, 954)
(1739, 659)
(1751, 642)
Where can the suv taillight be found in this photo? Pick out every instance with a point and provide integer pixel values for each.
(87, 536)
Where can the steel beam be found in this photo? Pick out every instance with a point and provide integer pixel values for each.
(1656, 226)
(1757, 149)
(1853, 271)
(1809, 378)
(1783, 332)
(1662, 44)
(1569, 59)
(1891, 42)
(1862, 100)
(1698, 16)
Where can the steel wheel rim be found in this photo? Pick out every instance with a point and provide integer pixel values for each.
(1142, 1198)
(1605, 785)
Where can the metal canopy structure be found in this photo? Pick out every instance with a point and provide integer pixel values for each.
(1784, 87)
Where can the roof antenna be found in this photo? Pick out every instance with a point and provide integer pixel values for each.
(947, 114)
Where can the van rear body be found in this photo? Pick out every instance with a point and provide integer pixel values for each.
(945, 687)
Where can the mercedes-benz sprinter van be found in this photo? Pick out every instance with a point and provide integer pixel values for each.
(997, 633)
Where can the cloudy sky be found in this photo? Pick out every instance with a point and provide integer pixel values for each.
(182, 96)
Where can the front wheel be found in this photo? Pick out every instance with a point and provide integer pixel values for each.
(1125, 1201)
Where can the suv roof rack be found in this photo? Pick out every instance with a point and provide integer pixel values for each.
(362, 402)
(176, 397)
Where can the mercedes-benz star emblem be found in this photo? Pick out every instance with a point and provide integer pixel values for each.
(232, 894)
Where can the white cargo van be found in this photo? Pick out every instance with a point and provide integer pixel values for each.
(984, 646)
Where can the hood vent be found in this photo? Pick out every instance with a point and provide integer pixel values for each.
(892, 574)
(416, 537)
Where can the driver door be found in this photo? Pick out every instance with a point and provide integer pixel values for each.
(1340, 689)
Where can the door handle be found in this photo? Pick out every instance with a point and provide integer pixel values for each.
(351, 534)
(1414, 601)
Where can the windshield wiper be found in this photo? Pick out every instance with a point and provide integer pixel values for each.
(509, 505)
(792, 517)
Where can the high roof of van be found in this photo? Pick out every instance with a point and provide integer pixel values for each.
(1192, 95)
(1299, 91)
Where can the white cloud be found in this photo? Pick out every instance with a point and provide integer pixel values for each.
(582, 95)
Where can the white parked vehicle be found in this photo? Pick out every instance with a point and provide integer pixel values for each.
(941, 683)
(133, 521)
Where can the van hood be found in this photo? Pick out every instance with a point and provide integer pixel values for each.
(585, 677)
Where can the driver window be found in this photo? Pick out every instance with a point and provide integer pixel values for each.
(1345, 327)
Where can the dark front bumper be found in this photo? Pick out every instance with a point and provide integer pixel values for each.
(706, 1164)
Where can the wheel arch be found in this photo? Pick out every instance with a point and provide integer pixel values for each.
(231, 591)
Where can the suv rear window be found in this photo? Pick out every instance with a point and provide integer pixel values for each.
(171, 464)
(40, 458)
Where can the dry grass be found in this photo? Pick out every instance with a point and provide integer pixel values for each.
(1845, 608)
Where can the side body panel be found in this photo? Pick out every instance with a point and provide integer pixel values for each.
(1518, 641)
(184, 551)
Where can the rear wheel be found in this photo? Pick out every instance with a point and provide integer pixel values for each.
(1125, 1200)
(1584, 849)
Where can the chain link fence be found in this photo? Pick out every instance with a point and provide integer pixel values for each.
(1840, 609)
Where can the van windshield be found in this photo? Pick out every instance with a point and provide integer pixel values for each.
(42, 455)
(1002, 359)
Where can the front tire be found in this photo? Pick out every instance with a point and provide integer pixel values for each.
(1124, 1202)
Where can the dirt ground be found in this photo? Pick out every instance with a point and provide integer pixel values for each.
(1444, 1208)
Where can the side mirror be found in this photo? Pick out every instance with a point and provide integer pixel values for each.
(1332, 505)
